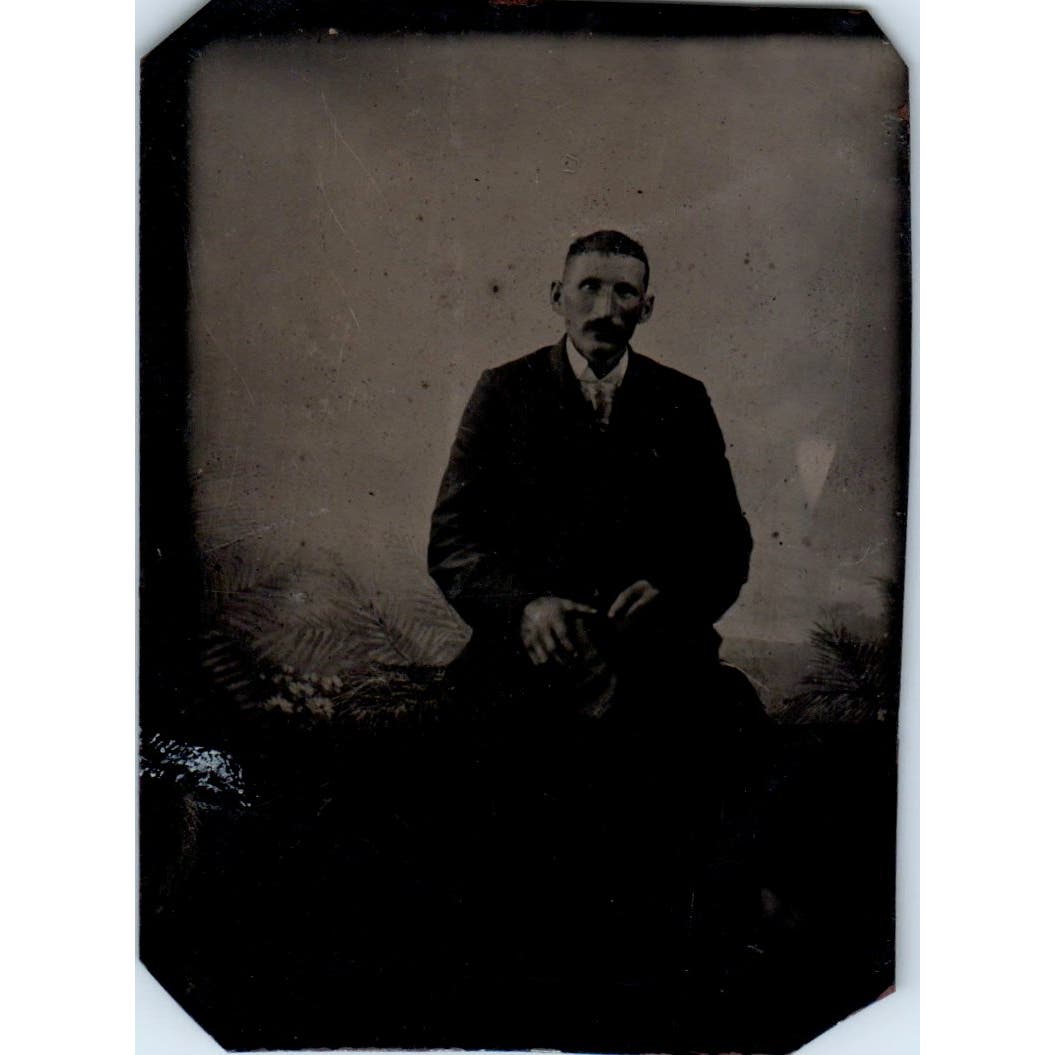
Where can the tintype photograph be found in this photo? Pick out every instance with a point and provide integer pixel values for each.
(523, 471)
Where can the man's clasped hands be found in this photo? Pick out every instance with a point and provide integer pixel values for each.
(557, 630)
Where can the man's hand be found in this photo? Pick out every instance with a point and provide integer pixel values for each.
(633, 602)
(548, 629)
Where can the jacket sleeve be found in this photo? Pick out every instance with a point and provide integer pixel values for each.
(706, 562)
(467, 559)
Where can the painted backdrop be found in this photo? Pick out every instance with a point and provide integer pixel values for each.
(377, 220)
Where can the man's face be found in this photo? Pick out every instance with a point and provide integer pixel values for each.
(602, 299)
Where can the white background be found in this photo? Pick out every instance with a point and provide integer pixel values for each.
(984, 385)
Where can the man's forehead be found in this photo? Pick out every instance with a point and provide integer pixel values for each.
(611, 266)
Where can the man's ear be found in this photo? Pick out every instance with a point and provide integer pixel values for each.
(556, 294)
(646, 307)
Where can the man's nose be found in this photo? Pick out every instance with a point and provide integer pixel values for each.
(604, 304)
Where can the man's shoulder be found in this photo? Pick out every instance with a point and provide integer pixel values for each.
(537, 362)
(534, 371)
(665, 378)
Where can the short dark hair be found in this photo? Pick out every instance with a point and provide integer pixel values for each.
(611, 243)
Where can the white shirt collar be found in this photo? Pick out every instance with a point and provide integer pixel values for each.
(580, 366)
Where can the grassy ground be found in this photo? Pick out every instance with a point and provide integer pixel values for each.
(367, 894)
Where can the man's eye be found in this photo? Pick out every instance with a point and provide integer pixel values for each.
(625, 291)
(591, 286)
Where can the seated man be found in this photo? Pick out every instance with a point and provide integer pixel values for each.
(588, 530)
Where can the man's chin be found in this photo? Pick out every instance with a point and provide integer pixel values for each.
(603, 348)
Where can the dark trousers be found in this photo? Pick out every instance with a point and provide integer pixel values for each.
(612, 840)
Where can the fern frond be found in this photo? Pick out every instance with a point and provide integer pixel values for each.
(849, 679)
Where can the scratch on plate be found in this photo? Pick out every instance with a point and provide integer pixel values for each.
(339, 137)
(823, 331)
(267, 528)
(344, 295)
(333, 213)
(227, 355)
(351, 311)
(865, 554)
(230, 481)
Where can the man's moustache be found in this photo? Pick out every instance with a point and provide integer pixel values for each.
(604, 330)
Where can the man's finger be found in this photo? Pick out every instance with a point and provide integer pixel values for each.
(549, 642)
(574, 606)
(529, 637)
(564, 639)
(622, 602)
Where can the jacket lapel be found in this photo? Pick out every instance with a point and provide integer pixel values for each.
(568, 390)
(631, 397)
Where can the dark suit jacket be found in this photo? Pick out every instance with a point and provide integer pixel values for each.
(538, 500)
